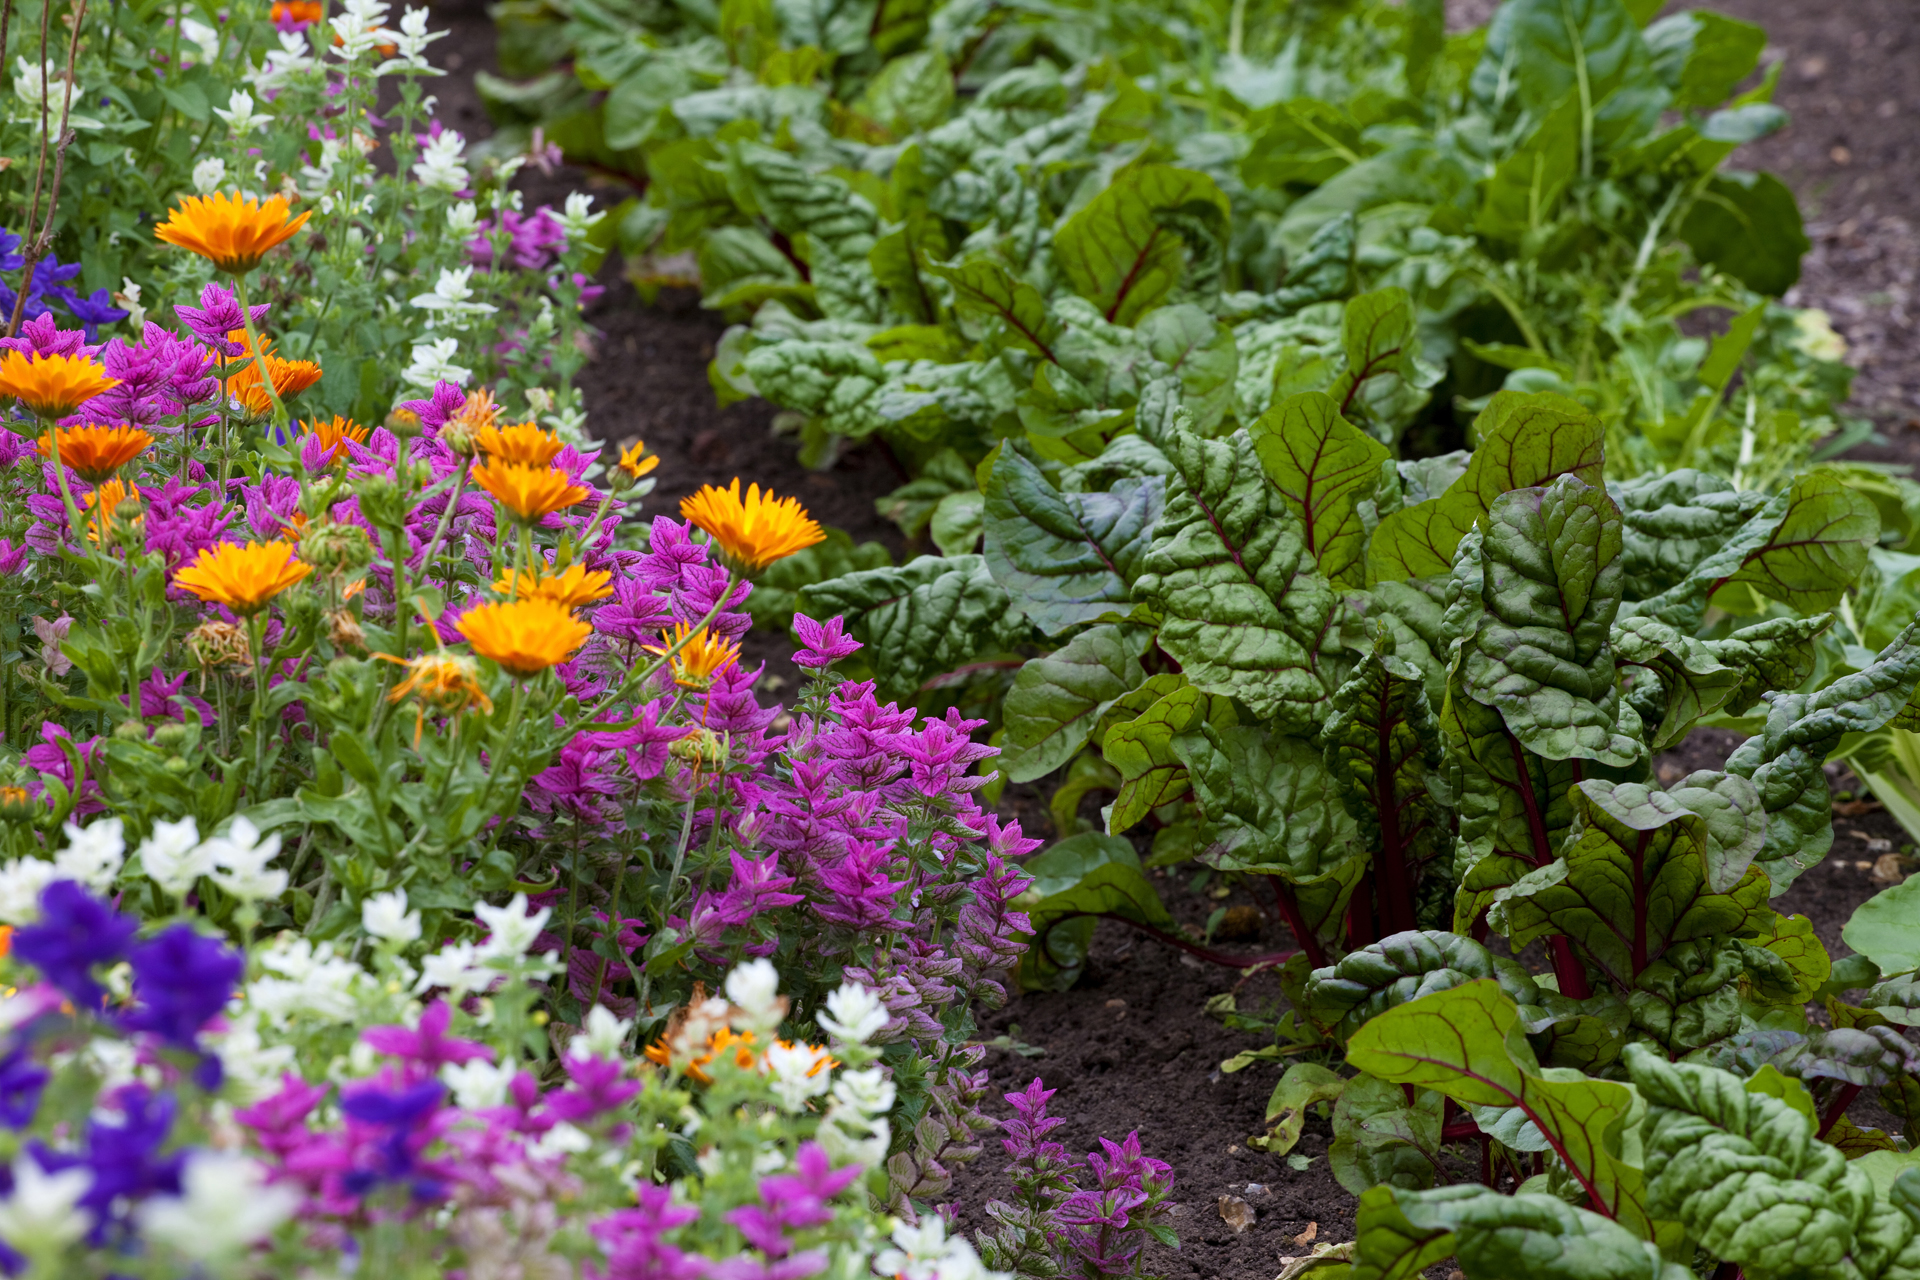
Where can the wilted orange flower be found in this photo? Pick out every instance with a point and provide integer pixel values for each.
(52, 386)
(633, 463)
(104, 502)
(333, 436)
(529, 492)
(95, 452)
(233, 232)
(569, 590)
(524, 636)
(478, 410)
(725, 1042)
(522, 444)
(755, 532)
(290, 377)
(700, 659)
(242, 578)
(442, 682)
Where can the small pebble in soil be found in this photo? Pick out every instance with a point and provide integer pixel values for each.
(1236, 1213)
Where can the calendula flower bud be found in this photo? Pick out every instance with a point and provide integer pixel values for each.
(343, 629)
(404, 424)
(332, 547)
(460, 435)
(17, 804)
(702, 748)
(217, 644)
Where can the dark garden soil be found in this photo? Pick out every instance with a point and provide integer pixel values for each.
(1132, 1047)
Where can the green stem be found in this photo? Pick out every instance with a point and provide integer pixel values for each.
(641, 674)
(259, 356)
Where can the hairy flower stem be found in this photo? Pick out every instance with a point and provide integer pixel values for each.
(259, 360)
(257, 720)
(673, 877)
(440, 531)
(641, 674)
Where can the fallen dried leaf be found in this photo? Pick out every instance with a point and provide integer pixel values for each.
(1887, 870)
(1857, 808)
(1307, 1236)
(1323, 1257)
(1236, 1213)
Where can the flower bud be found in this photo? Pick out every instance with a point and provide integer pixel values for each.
(217, 644)
(337, 548)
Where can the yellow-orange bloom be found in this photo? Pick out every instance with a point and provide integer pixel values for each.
(290, 377)
(569, 590)
(242, 578)
(105, 502)
(700, 659)
(52, 386)
(633, 463)
(726, 1042)
(524, 636)
(233, 232)
(307, 11)
(333, 436)
(523, 444)
(446, 683)
(478, 410)
(529, 492)
(755, 532)
(95, 452)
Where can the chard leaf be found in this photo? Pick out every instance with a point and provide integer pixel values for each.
(928, 616)
(1303, 1085)
(1202, 353)
(1805, 956)
(1748, 225)
(1303, 141)
(1380, 743)
(1886, 928)
(901, 264)
(1246, 610)
(1690, 997)
(1343, 997)
(1525, 440)
(1541, 655)
(1774, 654)
(1817, 549)
(796, 202)
(1632, 880)
(1590, 50)
(1877, 1055)
(983, 289)
(1528, 183)
(1466, 1043)
(1380, 339)
(1498, 1237)
(1673, 521)
(1673, 680)
(1121, 252)
(1075, 882)
(1141, 748)
(1701, 55)
(1381, 1138)
(1784, 760)
(1066, 558)
(1746, 1178)
(1267, 805)
(1056, 700)
(1323, 466)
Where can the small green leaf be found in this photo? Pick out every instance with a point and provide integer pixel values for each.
(1056, 700)
(1119, 253)
(1075, 881)
(1323, 466)
(1303, 1085)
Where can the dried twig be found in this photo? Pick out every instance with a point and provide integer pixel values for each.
(42, 240)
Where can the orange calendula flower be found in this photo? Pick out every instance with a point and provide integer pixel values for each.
(94, 452)
(571, 589)
(444, 683)
(724, 1043)
(703, 657)
(290, 11)
(634, 463)
(754, 532)
(524, 636)
(290, 377)
(333, 436)
(478, 410)
(523, 444)
(242, 578)
(232, 232)
(105, 502)
(52, 386)
(529, 492)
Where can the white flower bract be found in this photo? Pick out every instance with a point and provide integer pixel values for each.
(433, 362)
(385, 916)
(94, 853)
(853, 1014)
(21, 882)
(173, 856)
(510, 929)
(440, 166)
(43, 1212)
(227, 1205)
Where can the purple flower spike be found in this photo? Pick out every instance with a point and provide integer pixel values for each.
(822, 645)
(76, 932)
(181, 980)
(430, 1046)
(218, 315)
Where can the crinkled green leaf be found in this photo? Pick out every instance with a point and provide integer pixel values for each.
(1746, 1178)
(1673, 521)
(927, 616)
(1793, 940)
(795, 201)
(1056, 700)
(1323, 466)
(1498, 1237)
(1304, 1085)
(1776, 654)
(1541, 655)
(1141, 747)
(1632, 881)
(1381, 1138)
(1267, 803)
(1672, 680)
(1876, 1055)
(901, 262)
(1690, 997)
(1246, 610)
(1525, 440)
(982, 288)
(1343, 997)
(1119, 253)
(1466, 1042)
(1818, 548)
(1074, 882)
(1748, 225)
(913, 91)
(1067, 558)
(1784, 760)
(1381, 743)
(1201, 352)
(1384, 382)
